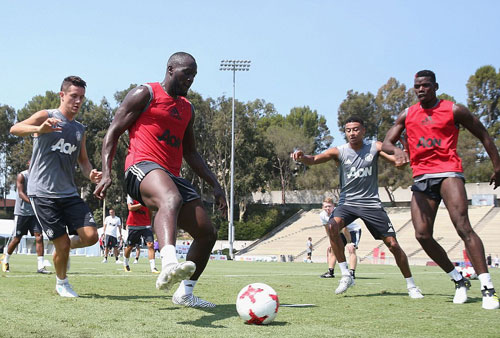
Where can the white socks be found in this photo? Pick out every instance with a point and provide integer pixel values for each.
(410, 283)
(6, 259)
(344, 269)
(61, 281)
(185, 287)
(168, 255)
(125, 261)
(485, 280)
(455, 275)
(40, 262)
(152, 264)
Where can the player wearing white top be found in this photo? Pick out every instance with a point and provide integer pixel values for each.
(112, 225)
(351, 236)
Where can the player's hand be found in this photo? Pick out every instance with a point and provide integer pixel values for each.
(297, 155)
(95, 176)
(49, 126)
(495, 179)
(401, 158)
(102, 186)
(220, 199)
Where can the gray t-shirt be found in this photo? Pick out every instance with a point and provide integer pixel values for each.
(54, 159)
(359, 176)
(22, 208)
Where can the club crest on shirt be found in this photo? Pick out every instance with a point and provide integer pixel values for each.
(78, 136)
(369, 157)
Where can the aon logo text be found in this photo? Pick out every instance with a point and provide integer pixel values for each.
(65, 148)
(361, 172)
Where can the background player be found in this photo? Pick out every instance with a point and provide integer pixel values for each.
(350, 235)
(112, 225)
(25, 221)
(432, 135)
(139, 229)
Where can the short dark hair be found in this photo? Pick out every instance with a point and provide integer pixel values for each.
(72, 80)
(355, 119)
(426, 73)
(178, 57)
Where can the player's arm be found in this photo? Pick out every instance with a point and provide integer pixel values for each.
(133, 207)
(129, 111)
(327, 155)
(83, 160)
(463, 116)
(104, 228)
(401, 157)
(38, 123)
(20, 188)
(196, 162)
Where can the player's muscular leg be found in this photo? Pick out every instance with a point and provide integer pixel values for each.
(399, 255)
(160, 193)
(127, 251)
(39, 244)
(13, 245)
(335, 239)
(151, 250)
(87, 236)
(194, 219)
(61, 255)
(455, 199)
(423, 214)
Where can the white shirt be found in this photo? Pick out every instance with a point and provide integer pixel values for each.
(309, 246)
(325, 217)
(112, 224)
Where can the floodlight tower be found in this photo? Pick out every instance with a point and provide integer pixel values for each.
(234, 66)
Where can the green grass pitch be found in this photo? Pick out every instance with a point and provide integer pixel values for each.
(114, 303)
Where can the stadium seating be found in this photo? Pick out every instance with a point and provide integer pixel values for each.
(290, 239)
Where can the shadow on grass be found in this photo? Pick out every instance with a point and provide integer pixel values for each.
(220, 312)
(123, 297)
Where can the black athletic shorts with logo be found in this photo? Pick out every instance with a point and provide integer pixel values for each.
(430, 186)
(135, 236)
(110, 242)
(136, 173)
(375, 219)
(57, 214)
(25, 224)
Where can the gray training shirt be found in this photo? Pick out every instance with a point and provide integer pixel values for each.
(22, 208)
(359, 176)
(54, 159)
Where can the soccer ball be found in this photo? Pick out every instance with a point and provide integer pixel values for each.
(257, 303)
(469, 272)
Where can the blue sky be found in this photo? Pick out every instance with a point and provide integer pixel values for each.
(303, 53)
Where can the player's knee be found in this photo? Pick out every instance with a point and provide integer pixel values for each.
(423, 237)
(90, 239)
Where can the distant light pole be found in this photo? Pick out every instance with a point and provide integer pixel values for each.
(234, 66)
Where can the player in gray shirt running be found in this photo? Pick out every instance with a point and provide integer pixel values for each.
(359, 198)
(58, 144)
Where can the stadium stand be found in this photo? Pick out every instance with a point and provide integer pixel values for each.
(289, 238)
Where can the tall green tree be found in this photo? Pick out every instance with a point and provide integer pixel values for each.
(284, 139)
(483, 90)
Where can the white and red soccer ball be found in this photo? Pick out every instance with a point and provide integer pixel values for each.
(257, 303)
(468, 272)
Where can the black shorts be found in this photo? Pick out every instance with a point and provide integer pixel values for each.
(25, 224)
(375, 219)
(55, 215)
(430, 186)
(355, 237)
(135, 236)
(110, 242)
(136, 173)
